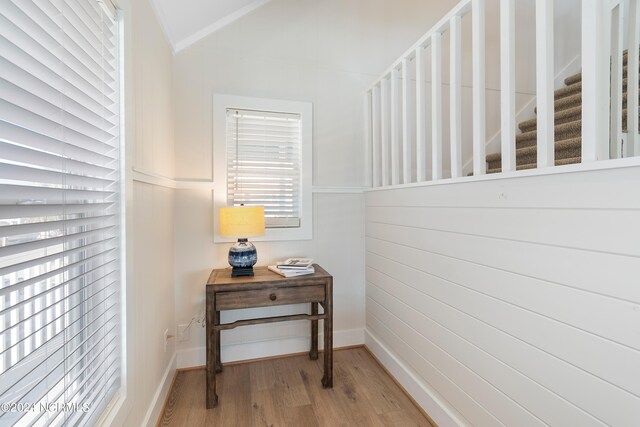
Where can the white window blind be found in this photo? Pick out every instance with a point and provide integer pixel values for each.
(263, 163)
(59, 211)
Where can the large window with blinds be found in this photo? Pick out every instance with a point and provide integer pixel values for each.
(60, 264)
(262, 157)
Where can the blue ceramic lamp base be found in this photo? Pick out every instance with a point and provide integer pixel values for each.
(242, 257)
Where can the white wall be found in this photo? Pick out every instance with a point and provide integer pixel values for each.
(149, 143)
(323, 52)
(510, 301)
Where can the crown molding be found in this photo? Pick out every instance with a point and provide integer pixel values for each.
(221, 23)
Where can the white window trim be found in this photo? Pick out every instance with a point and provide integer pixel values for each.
(220, 104)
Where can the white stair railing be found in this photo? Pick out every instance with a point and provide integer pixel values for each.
(390, 108)
(397, 115)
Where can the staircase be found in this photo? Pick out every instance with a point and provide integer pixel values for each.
(403, 125)
(568, 128)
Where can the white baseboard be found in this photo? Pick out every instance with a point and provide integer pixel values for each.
(429, 400)
(191, 357)
(151, 418)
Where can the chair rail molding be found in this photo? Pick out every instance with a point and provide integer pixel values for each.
(151, 178)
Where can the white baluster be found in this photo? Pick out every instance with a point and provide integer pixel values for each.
(455, 101)
(406, 134)
(633, 140)
(479, 105)
(368, 136)
(395, 127)
(544, 82)
(385, 129)
(508, 84)
(595, 71)
(436, 105)
(615, 124)
(421, 110)
(375, 101)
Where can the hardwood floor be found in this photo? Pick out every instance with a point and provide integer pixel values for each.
(287, 392)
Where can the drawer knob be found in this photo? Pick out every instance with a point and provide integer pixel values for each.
(273, 297)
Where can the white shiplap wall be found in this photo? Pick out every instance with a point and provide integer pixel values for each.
(511, 302)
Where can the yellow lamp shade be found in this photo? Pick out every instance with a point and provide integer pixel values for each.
(242, 221)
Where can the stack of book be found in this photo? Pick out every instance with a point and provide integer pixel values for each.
(293, 267)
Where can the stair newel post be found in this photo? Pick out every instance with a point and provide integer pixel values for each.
(385, 129)
(368, 136)
(479, 94)
(375, 135)
(595, 81)
(421, 119)
(544, 82)
(633, 142)
(436, 105)
(508, 83)
(455, 95)
(395, 126)
(406, 133)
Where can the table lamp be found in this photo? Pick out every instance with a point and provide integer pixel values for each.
(242, 222)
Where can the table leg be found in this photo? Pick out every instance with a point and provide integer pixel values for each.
(313, 353)
(327, 379)
(218, 362)
(212, 348)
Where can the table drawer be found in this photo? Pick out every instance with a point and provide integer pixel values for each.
(266, 297)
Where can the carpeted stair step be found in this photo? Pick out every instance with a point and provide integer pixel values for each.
(564, 116)
(578, 77)
(526, 126)
(576, 88)
(558, 162)
(565, 149)
(624, 84)
(568, 90)
(565, 103)
(571, 80)
(624, 100)
(569, 114)
(562, 132)
(624, 120)
(575, 101)
(625, 56)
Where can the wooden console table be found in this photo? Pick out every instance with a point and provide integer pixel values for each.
(264, 289)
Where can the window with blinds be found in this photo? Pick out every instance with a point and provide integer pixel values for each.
(60, 342)
(263, 163)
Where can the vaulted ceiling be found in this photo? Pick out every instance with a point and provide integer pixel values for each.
(186, 22)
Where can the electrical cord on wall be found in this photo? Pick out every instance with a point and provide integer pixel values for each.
(200, 318)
